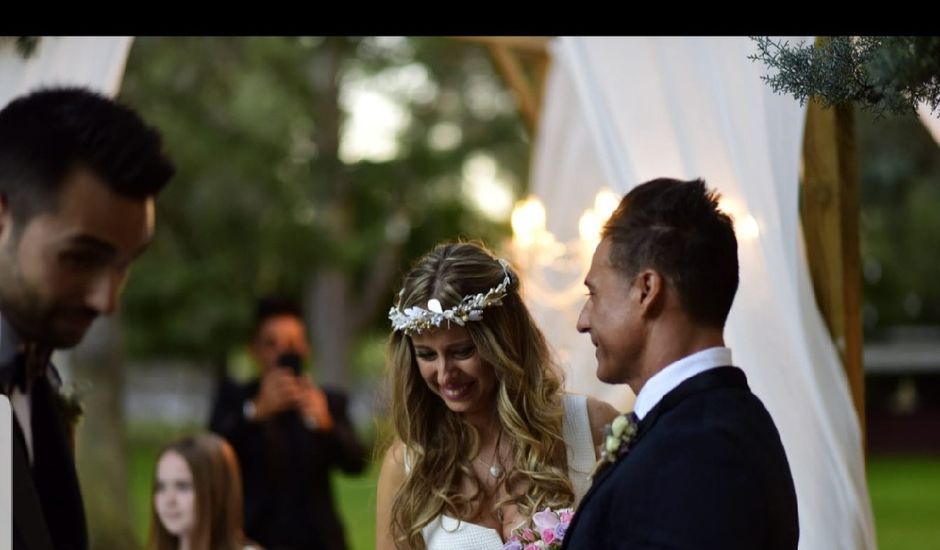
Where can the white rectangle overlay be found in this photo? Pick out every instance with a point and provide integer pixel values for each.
(6, 474)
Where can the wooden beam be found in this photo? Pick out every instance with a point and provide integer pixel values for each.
(535, 45)
(522, 61)
(829, 209)
(526, 95)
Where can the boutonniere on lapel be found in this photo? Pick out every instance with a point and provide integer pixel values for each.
(68, 400)
(619, 436)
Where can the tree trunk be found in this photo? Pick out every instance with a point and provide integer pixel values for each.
(97, 367)
(328, 290)
(338, 311)
(329, 326)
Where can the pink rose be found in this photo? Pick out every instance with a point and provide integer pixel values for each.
(566, 515)
(548, 535)
(528, 535)
(546, 519)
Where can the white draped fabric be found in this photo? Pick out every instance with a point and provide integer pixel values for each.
(930, 120)
(93, 62)
(621, 111)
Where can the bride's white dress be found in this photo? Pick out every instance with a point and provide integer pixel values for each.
(447, 533)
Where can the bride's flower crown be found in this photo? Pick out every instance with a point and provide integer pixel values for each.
(416, 319)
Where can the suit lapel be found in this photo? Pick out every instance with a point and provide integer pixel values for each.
(598, 480)
(603, 475)
(713, 378)
(29, 522)
(55, 478)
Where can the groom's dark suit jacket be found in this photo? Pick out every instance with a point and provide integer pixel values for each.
(707, 470)
(47, 502)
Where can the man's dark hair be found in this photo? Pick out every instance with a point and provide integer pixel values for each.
(676, 228)
(48, 133)
(275, 306)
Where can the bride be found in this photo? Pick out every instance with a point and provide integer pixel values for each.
(485, 434)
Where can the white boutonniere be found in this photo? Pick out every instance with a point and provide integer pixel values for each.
(619, 436)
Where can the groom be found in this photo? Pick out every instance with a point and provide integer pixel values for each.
(78, 177)
(706, 468)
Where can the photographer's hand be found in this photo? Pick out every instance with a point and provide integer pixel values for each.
(279, 391)
(313, 405)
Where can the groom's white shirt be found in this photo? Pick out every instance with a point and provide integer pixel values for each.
(675, 373)
(19, 401)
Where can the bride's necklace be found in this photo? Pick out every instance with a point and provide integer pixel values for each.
(495, 468)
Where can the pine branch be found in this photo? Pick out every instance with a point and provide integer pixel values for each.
(882, 74)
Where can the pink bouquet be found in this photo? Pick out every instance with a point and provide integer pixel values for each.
(546, 533)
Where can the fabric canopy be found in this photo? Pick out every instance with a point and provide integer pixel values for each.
(621, 111)
(94, 62)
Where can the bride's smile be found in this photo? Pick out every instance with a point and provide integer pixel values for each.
(451, 367)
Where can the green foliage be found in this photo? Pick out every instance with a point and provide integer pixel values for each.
(883, 74)
(898, 160)
(262, 200)
(25, 45)
(899, 198)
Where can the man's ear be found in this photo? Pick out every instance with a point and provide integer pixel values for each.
(649, 289)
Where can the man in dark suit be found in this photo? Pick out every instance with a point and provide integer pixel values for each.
(78, 177)
(706, 468)
(288, 434)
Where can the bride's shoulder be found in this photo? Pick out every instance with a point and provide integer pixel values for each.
(600, 413)
(396, 461)
(395, 455)
(596, 408)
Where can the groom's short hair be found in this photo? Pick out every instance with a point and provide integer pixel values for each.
(677, 228)
(47, 133)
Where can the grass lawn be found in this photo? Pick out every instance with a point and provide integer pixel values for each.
(905, 498)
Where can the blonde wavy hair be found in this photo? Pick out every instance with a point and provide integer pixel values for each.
(529, 406)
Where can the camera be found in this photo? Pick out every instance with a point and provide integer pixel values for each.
(291, 360)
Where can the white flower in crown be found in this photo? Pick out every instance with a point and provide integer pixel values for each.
(417, 319)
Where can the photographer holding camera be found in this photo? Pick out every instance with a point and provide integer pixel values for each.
(288, 434)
